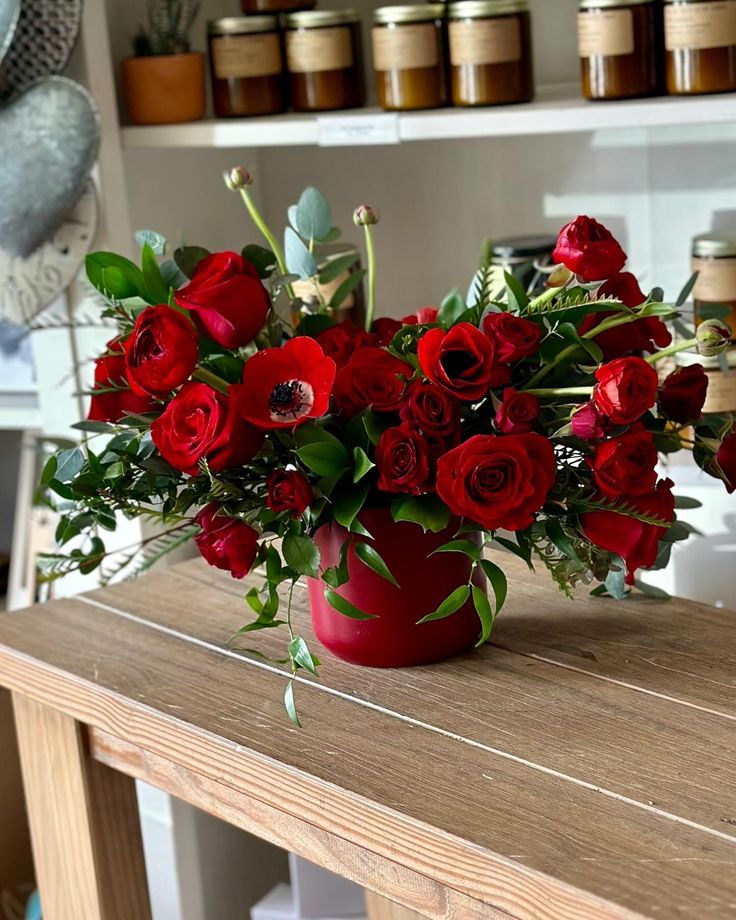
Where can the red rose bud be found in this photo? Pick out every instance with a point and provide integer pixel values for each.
(115, 404)
(403, 461)
(625, 465)
(431, 410)
(385, 329)
(236, 178)
(462, 360)
(288, 490)
(714, 336)
(683, 393)
(626, 388)
(587, 423)
(341, 340)
(224, 542)
(161, 352)
(515, 338)
(423, 316)
(285, 387)
(498, 481)
(372, 377)
(589, 249)
(227, 300)
(517, 412)
(726, 460)
(364, 216)
(200, 423)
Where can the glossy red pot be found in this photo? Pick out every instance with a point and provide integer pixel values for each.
(394, 639)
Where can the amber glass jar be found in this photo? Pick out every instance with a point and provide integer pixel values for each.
(409, 56)
(490, 52)
(324, 60)
(275, 6)
(714, 258)
(700, 46)
(247, 66)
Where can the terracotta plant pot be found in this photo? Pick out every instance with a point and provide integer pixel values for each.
(164, 89)
(394, 639)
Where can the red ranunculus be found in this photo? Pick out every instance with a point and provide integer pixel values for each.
(226, 543)
(424, 316)
(517, 412)
(626, 465)
(288, 490)
(431, 410)
(341, 340)
(284, 387)
(587, 423)
(117, 403)
(726, 460)
(626, 388)
(227, 299)
(200, 423)
(635, 541)
(683, 394)
(161, 352)
(514, 336)
(498, 481)
(462, 360)
(372, 377)
(385, 329)
(403, 461)
(589, 249)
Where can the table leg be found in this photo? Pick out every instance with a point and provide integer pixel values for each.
(380, 908)
(84, 822)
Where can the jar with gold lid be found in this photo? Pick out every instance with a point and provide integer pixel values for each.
(490, 52)
(324, 60)
(409, 56)
(618, 43)
(246, 65)
(714, 258)
(700, 46)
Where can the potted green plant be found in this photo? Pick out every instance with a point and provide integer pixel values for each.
(164, 81)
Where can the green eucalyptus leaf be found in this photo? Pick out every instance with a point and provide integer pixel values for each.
(155, 240)
(451, 604)
(313, 217)
(69, 464)
(616, 580)
(299, 260)
(682, 502)
(369, 556)
(687, 290)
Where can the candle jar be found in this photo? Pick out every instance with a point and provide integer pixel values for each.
(490, 52)
(618, 42)
(409, 56)
(700, 46)
(714, 258)
(324, 60)
(246, 66)
(336, 263)
(249, 7)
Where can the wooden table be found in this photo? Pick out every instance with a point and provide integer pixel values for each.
(581, 767)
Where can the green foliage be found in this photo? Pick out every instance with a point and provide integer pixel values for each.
(343, 606)
(167, 29)
(451, 308)
(451, 604)
(369, 556)
(313, 217)
(426, 510)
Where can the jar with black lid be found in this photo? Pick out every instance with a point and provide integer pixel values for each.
(714, 258)
(324, 60)
(524, 257)
(249, 7)
(246, 65)
(409, 56)
(618, 43)
(700, 46)
(490, 52)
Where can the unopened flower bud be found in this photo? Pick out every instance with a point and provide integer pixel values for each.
(238, 177)
(364, 215)
(713, 336)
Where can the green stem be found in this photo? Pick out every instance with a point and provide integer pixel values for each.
(371, 255)
(546, 368)
(261, 224)
(671, 350)
(545, 297)
(561, 391)
(205, 376)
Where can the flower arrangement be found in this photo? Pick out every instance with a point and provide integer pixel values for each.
(534, 419)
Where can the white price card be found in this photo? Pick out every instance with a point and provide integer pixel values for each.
(353, 130)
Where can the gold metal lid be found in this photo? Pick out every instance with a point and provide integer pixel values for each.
(425, 12)
(610, 4)
(315, 19)
(484, 9)
(717, 244)
(240, 25)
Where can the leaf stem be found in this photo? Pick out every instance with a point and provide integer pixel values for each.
(671, 350)
(547, 368)
(371, 256)
(205, 376)
(561, 391)
(262, 226)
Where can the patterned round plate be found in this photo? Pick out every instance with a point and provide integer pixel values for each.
(9, 13)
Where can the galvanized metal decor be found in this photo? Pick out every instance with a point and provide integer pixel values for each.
(9, 14)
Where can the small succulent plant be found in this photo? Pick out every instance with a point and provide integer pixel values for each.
(167, 29)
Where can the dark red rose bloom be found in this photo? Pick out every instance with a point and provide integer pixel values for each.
(683, 393)
(517, 412)
(424, 316)
(626, 388)
(385, 329)
(633, 540)
(625, 465)
(514, 337)
(227, 299)
(372, 377)
(461, 360)
(341, 340)
(226, 543)
(288, 490)
(161, 352)
(588, 423)
(201, 423)
(403, 461)
(431, 410)
(589, 249)
(726, 460)
(285, 387)
(115, 405)
(498, 481)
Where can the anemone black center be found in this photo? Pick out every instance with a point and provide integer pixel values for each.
(286, 398)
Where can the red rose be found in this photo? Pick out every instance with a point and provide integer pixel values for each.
(431, 410)
(498, 481)
(200, 423)
(726, 460)
(403, 461)
(161, 352)
(226, 543)
(341, 340)
(462, 360)
(626, 465)
(288, 490)
(110, 375)
(385, 329)
(424, 316)
(284, 387)
(372, 377)
(588, 423)
(227, 299)
(517, 412)
(589, 249)
(515, 337)
(633, 540)
(626, 388)
(683, 394)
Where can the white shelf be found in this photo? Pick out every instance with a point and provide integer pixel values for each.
(558, 110)
(19, 410)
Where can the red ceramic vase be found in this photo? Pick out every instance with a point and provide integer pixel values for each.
(394, 639)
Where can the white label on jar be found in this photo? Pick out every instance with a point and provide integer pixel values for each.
(697, 26)
(485, 41)
(405, 47)
(313, 50)
(243, 56)
(716, 280)
(605, 32)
